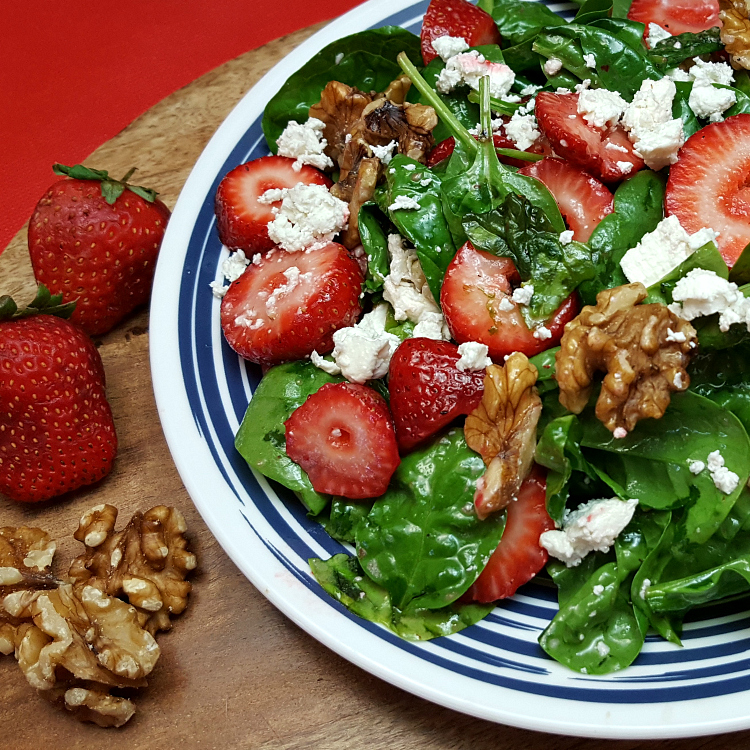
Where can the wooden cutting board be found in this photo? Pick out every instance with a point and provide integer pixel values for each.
(234, 672)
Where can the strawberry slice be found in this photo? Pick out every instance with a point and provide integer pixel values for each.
(519, 556)
(476, 302)
(709, 186)
(288, 304)
(445, 148)
(428, 391)
(582, 199)
(241, 220)
(602, 153)
(456, 18)
(343, 437)
(676, 16)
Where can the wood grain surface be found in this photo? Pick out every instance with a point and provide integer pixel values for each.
(234, 672)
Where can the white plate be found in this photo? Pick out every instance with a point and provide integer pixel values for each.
(494, 670)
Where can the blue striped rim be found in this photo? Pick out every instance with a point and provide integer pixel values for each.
(506, 639)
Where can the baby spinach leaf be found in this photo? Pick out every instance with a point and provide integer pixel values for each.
(260, 439)
(593, 10)
(650, 463)
(519, 20)
(670, 52)
(639, 207)
(740, 271)
(521, 231)
(368, 62)
(343, 517)
(630, 32)
(422, 540)
(342, 577)
(425, 227)
(681, 108)
(374, 238)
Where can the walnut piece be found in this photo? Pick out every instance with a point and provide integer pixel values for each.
(735, 31)
(100, 708)
(644, 349)
(146, 563)
(25, 559)
(502, 429)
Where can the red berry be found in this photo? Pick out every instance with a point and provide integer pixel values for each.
(582, 199)
(102, 255)
(343, 437)
(676, 16)
(428, 391)
(456, 18)
(241, 219)
(583, 144)
(56, 428)
(475, 292)
(519, 556)
(708, 186)
(445, 148)
(289, 304)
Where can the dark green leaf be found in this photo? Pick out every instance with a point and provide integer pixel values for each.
(519, 20)
(740, 271)
(374, 238)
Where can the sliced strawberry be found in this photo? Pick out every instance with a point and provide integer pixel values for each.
(241, 220)
(428, 391)
(456, 18)
(343, 437)
(445, 148)
(676, 16)
(518, 557)
(289, 304)
(709, 186)
(582, 199)
(476, 288)
(603, 154)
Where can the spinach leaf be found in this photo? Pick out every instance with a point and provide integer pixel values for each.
(368, 63)
(593, 10)
(521, 231)
(639, 207)
(670, 52)
(373, 235)
(740, 271)
(425, 227)
(260, 439)
(650, 463)
(342, 577)
(630, 32)
(343, 517)
(422, 540)
(681, 108)
(620, 8)
(519, 20)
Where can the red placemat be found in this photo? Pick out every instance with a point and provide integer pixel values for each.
(73, 74)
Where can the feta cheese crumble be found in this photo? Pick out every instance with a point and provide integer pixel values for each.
(404, 203)
(384, 153)
(656, 34)
(662, 250)
(589, 60)
(695, 467)
(231, 269)
(473, 356)
(723, 479)
(468, 68)
(305, 143)
(552, 66)
(594, 526)
(308, 215)
(522, 130)
(523, 294)
(601, 108)
(566, 237)
(449, 46)
(542, 333)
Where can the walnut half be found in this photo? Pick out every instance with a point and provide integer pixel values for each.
(502, 429)
(735, 31)
(644, 349)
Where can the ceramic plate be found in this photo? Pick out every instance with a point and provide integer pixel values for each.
(494, 670)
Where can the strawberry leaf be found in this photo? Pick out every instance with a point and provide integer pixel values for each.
(79, 172)
(111, 189)
(43, 303)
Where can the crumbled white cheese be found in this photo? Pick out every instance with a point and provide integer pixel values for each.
(530, 89)
(616, 147)
(506, 305)
(566, 237)
(431, 326)
(695, 466)
(231, 268)
(523, 294)
(308, 215)
(385, 153)
(710, 72)
(522, 130)
(218, 289)
(305, 143)
(676, 336)
(404, 203)
(469, 68)
(324, 364)
(656, 135)
(293, 279)
(619, 433)
(626, 167)
(601, 108)
(590, 61)
(473, 356)
(552, 66)
(449, 46)
(406, 288)
(656, 34)
(594, 526)
(710, 102)
(662, 250)
(678, 74)
(701, 292)
(542, 333)
(723, 479)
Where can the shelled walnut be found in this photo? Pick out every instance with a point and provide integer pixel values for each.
(644, 350)
(735, 31)
(502, 429)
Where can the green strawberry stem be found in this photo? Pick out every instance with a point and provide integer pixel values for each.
(44, 303)
(111, 189)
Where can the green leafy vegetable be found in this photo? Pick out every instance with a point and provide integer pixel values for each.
(670, 52)
(374, 238)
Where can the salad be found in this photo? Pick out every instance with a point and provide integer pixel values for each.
(494, 276)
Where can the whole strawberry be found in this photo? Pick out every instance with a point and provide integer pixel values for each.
(56, 428)
(95, 240)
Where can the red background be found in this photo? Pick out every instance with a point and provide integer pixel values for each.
(73, 74)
